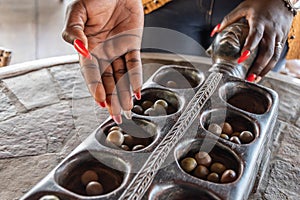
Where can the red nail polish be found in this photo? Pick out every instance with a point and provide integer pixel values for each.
(117, 119)
(138, 95)
(79, 46)
(215, 30)
(245, 55)
(102, 104)
(251, 77)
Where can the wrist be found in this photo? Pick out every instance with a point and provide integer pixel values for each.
(292, 6)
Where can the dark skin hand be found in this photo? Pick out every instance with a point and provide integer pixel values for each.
(111, 30)
(269, 22)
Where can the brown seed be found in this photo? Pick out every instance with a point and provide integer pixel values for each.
(228, 176)
(246, 137)
(89, 176)
(236, 134)
(146, 104)
(215, 128)
(150, 112)
(161, 102)
(115, 137)
(201, 172)
(137, 109)
(171, 84)
(213, 177)
(217, 167)
(188, 164)
(203, 158)
(94, 188)
(128, 140)
(125, 147)
(224, 136)
(226, 128)
(49, 197)
(114, 128)
(235, 139)
(159, 109)
(138, 147)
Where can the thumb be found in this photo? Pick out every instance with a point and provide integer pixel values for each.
(72, 33)
(76, 17)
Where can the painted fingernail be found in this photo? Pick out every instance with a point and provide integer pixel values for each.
(127, 114)
(102, 104)
(245, 55)
(80, 48)
(215, 30)
(251, 77)
(138, 95)
(117, 119)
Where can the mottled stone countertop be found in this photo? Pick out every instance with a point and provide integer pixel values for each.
(46, 111)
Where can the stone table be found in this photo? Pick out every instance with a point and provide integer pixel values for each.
(46, 111)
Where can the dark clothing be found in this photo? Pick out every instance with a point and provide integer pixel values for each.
(184, 26)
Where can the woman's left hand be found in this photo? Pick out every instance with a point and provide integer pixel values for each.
(269, 24)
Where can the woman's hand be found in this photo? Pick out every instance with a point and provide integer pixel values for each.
(111, 30)
(269, 22)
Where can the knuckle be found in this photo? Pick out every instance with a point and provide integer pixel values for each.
(107, 74)
(259, 31)
(227, 18)
(120, 71)
(268, 52)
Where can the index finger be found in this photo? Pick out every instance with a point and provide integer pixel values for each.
(256, 33)
(235, 15)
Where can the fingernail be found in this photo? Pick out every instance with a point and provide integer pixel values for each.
(258, 78)
(117, 119)
(102, 104)
(215, 30)
(80, 48)
(251, 77)
(127, 114)
(245, 55)
(138, 95)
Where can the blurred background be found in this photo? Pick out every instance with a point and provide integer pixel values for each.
(31, 29)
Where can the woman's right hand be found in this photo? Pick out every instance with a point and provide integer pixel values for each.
(112, 31)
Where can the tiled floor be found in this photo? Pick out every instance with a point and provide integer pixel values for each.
(32, 29)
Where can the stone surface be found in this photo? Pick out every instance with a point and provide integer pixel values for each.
(70, 80)
(87, 117)
(17, 176)
(40, 131)
(7, 109)
(289, 149)
(289, 95)
(35, 89)
(280, 185)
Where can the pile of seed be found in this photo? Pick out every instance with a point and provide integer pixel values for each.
(202, 166)
(118, 138)
(91, 182)
(159, 108)
(226, 132)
